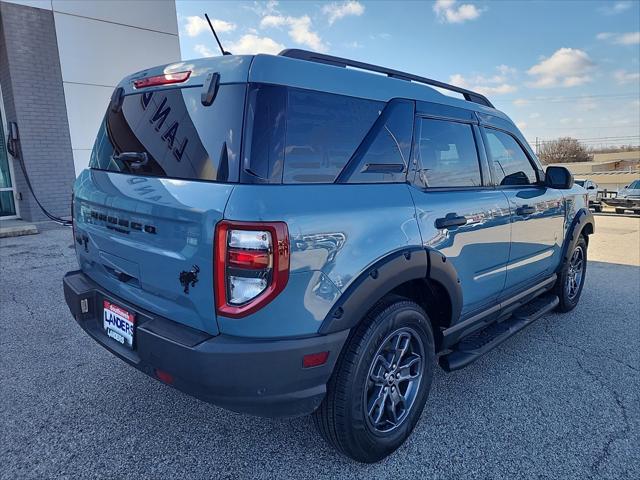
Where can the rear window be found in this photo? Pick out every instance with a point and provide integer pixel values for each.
(301, 136)
(180, 137)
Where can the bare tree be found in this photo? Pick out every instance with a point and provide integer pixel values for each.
(563, 150)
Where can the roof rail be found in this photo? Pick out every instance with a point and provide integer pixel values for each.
(345, 62)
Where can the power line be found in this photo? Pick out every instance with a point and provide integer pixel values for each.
(580, 97)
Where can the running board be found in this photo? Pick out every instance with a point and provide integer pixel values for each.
(472, 347)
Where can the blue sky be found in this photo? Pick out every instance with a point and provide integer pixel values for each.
(556, 67)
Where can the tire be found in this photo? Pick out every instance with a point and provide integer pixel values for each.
(620, 210)
(569, 285)
(343, 418)
(597, 208)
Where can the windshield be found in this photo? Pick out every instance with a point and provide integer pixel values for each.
(635, 185)
(171, 134)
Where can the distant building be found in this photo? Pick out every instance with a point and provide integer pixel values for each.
(59, 63)
(611, 171)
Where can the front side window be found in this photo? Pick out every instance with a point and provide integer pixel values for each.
(511, 166)
(447, 155)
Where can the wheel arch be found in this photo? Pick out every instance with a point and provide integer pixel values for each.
(422, 275)
(582, 224)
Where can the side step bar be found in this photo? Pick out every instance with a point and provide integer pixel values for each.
(470, 348)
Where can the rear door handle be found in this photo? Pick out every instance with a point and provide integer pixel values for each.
(525, 210)
(451, 220)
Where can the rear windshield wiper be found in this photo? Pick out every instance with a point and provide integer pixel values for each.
(135, 159)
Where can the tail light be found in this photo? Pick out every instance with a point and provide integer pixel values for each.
(251, 265)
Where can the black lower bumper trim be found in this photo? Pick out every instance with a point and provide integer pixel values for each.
(260, 377)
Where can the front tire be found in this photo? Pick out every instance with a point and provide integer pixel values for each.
(381, 382)
(620, 210)
(572, 276)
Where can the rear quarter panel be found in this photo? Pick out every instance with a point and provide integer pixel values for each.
(335, 232)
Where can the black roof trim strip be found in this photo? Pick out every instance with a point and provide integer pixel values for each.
(345, 62)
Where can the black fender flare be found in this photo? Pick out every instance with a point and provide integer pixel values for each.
(582, 219)
(400, 266)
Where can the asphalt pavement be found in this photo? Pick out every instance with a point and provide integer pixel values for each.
(559, 400)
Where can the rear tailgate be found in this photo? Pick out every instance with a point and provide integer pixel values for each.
(161, 171)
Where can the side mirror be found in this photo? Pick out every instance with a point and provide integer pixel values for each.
(558, 177)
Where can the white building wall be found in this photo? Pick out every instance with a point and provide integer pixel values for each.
(99, 42)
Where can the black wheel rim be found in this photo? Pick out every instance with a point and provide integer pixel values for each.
(575, 273)
(394, 380)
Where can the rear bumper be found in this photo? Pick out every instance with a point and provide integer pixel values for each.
(260, 377)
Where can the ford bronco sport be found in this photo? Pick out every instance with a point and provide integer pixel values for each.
(289, 235)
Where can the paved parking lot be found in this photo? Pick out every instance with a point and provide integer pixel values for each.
(559, 400)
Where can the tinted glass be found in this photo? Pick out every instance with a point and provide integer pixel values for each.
(265, 125)
(511, 165)
(322, 133)
(635, 185)
(447, 155)
(580, 182)
(7, 206)
(386, 149)
(181, 137)
(5, 178)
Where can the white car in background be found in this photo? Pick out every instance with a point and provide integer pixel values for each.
(628, 198)
(592, 193)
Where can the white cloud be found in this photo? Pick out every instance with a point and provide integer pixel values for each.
(299, 30)
(616, 8)
(204, 51)
(629, 38)
(195, 25)
(521, 125)
(272, 21)
(448, 11)
(521, 102)
(263, 8)
(491, 85)
(336, 11)
(506, 70)
(567, 67)
(383, 36)
(622, 77)
(252, 44)
(534, 115)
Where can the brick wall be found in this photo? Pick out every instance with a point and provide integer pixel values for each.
(33, 96)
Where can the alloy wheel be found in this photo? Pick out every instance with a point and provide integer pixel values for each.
(394, 380)
(575, 273)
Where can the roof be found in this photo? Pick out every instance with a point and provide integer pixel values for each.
(313, 75)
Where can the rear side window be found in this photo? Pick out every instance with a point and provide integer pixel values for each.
(323, 131)
(302, 136)
(180, 137)
(511, 166)
(447, 155)
(383, 156)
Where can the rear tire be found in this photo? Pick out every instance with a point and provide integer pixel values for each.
(570, 281)
(620, 210)
(361, 416)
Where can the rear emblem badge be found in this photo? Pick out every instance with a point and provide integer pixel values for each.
(189, 278)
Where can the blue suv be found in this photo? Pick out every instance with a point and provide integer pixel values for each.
(307, 234)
